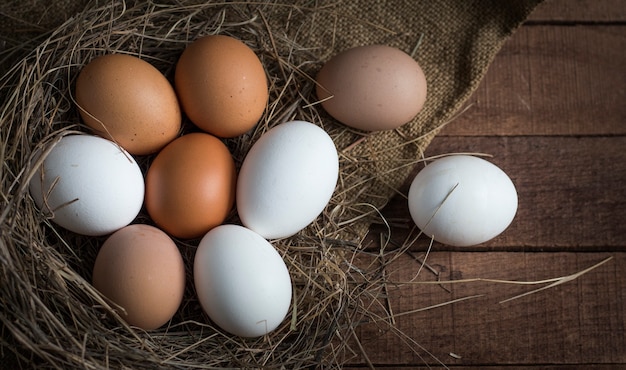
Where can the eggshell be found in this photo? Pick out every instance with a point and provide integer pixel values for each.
(126, 99)
(372, 88)
(140, 269)
(190, 185)
(221, 85)
(462, 200)
(286, 179)
(241, 281)
(91, 185)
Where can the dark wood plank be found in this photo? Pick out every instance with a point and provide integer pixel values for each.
(508, 367)
(580, 11)
(551, 112)
(580, 322)
(552, 81)
(571, 191)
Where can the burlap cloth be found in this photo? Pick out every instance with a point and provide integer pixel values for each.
(454, 42)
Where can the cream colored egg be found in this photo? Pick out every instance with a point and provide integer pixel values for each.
(88, 185)
(287, 178)
(462, 200)
(372, 87)
(242, 282)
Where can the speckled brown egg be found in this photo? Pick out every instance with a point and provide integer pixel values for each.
(372, 88)
(127, 100)
(221, 85)
(190, 185)
(140, 269)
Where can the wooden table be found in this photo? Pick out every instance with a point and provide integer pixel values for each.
(552, 112)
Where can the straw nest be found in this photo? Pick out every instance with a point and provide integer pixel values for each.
(51, 314)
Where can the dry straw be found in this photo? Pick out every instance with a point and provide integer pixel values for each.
(52, 316)
(50, 307)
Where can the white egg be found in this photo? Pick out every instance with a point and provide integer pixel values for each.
(286, 179)
(461, 200)
(241, 281)
(89, 185)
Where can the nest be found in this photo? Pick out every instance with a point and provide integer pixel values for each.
(55, 317)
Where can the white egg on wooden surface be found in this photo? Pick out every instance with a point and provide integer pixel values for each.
(286, 179)
(89, 185)
(462, 200)
(241, 281)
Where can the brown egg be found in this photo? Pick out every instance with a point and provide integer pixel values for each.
(372, 88)
(221, 85)
(190, 186)
(126, 99)
(140, 269)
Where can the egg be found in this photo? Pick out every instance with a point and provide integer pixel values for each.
(190, 185)
(88, 185)
(372, 87)
(462, 200)
(221, 85)
(126, 99)
(286, 179)
(140, 269)
(241, 281)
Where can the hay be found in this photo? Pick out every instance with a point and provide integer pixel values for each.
(54, 316)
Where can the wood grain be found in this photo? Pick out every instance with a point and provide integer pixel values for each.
(579, 322)
(552, 81)
(591, 11)
(508, 367)
(571, 191)
(551, 112)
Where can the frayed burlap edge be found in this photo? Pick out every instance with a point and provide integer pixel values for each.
(51, 315)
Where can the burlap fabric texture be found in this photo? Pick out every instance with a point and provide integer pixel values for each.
(454, 42)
